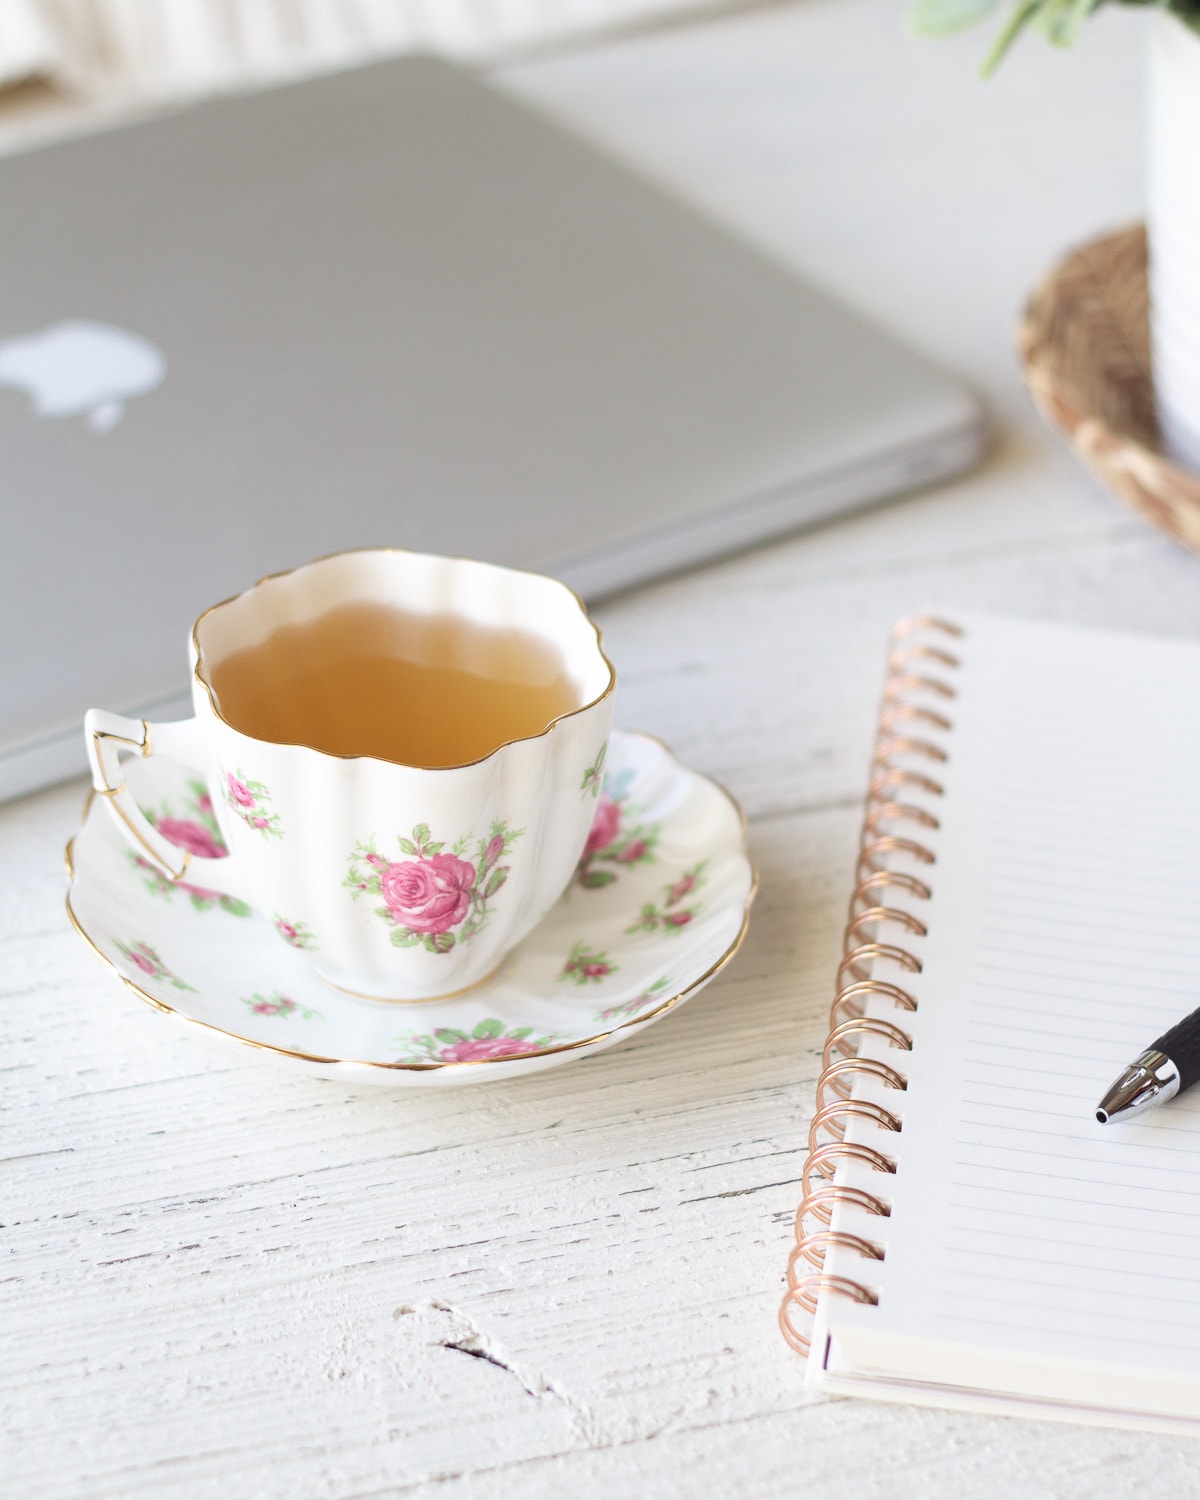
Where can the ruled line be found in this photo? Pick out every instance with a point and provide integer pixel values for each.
(1064, 933)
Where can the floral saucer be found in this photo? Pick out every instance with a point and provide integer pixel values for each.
(658, 904)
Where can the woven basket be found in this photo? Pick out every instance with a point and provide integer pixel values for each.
(1085, 346)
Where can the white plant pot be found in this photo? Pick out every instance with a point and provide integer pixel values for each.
(1173, 222)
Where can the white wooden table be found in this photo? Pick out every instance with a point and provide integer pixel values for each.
(220, 1280)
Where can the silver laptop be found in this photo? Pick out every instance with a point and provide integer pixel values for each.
(393, 306)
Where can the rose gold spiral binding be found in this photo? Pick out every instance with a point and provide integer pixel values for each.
(839, 1076)
(819, 1203)
(802, 1293)
(912, 713)
(880, 881)
(907, 682)
(877, 916)
(849, 1004)
(825, 1160)
(904, 744)
(854, 961)
(815, 1245)
(870, 858)
(898, 776)
(837, 1043)
(878, 823)
(903, 656)
(897, 827)
(832, 1117)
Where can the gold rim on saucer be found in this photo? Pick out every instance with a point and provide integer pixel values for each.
(324, 1060)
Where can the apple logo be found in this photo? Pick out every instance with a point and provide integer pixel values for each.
(79, 367)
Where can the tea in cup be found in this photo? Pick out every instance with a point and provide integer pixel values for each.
(403, 753)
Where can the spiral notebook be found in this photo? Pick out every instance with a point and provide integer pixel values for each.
(1026, 920)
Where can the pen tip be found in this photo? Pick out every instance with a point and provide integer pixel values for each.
(1152, 1079)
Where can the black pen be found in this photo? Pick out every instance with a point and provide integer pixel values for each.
(1166, 1068)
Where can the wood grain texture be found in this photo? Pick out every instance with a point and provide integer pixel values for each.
(219, 1279)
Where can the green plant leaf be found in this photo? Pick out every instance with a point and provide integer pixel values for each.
(594, 879)
(488, 1029)
(234, 907)
(495, 881)
(945, 17)
(447, 1034)
(440, 942)
(421, 833)
(1061, 21)
(406, 846)
(402, 938)
(434, 848)
(519, 1033)
(1013, 27)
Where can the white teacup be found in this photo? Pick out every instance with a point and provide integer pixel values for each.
(408, 883)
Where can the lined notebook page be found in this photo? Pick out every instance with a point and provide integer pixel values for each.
(1032, 1251)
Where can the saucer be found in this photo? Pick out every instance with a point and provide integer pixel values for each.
(658, 905)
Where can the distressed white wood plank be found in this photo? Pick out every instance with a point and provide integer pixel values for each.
(221, 1279)
(232, 1213)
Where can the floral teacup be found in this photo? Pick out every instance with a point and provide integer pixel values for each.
(398, 882)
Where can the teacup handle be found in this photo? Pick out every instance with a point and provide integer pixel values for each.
(109, 736)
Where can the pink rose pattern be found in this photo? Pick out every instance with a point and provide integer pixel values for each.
(488, 1042)
(605, 827)
(669, 914)
(655, 994)
(146, 960)
(251, 802)
(586, 965)
(194, 828)
(276, 1004)
(617, 840)
(428, 895)
(295, 934)
(187, 833)
(425, 896)
(435, 897)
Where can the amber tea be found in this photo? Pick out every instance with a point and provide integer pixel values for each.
(422, 690)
